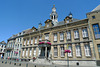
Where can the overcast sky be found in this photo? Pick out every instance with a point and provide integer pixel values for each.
(18, 15)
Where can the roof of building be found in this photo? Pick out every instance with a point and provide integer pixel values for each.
(3, 42)
(62, 22)
(96, 9)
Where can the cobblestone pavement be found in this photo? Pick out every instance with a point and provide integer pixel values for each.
(5, 63)
(10, 65)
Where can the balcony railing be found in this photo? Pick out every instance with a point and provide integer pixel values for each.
(9, 48)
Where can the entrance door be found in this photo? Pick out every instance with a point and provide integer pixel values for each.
(48, 51)
(42, 52)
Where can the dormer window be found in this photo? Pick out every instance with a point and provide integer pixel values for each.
(33, 30)
(93, 17)
(67, 20)
(51, 17)
(47, 25)
(54, 16)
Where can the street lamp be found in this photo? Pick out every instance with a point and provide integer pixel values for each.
(67, 51)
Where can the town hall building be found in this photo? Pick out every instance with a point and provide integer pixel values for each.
(46, 44)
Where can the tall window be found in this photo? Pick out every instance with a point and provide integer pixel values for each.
(24, 42)
(87, 50)
(39, 51)
(70, 48)
(55, 52)
(99, 50)
(78, 50)
(96, 30)
(62, 51)
(20, 39)
(76, 34)
(67, 20)
(48, 25)
(33, 30)
(68, 35)
(31, 41)
(47, 36)
(61, 36)
(27, 41)
(55, 36)
(30, 52)
(26, 52)
(23, 53)
(85, 33)
(35, 40)
(34, 51)
(40, 38)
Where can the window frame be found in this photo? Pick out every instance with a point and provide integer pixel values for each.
(55, 37)
(85, 34)
(55, 51)
(61, 36)
(87, 50)
(62, 51)
(79, 52)
(94, 32)
(77, 34)
(67, 37)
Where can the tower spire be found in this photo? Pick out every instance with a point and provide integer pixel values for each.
(54, 16)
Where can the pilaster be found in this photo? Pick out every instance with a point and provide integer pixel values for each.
(74, 51)
(80, 34)
(72, 35)
(65, 48)
(82, 50)
(58, 36)
(65, 36)
(89, 34)
(58, 47)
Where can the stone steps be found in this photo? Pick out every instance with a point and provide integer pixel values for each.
(43, 61)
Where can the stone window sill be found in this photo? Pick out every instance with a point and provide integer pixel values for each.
(62, 56)
(88, 56)
(78, 56)
(55, 56)
(70, 56)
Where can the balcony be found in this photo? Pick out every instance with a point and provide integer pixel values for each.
(9, 48)
(1, 52)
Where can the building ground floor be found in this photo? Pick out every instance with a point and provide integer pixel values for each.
(82, 53)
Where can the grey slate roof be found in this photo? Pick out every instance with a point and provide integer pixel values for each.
(3, 43)
(96, 9)
(62, 22)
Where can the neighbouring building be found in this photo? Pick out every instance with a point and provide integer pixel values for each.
(2, 49)
(46, 44)
(94, 24)
(14, 46)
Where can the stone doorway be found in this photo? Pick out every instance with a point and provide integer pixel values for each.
(44, 52)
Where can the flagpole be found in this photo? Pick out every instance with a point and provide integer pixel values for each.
(67, 60)
(67, 52)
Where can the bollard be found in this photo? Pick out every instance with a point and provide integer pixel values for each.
(14, 63)
(2, 61)
(6, 62)
(26, 65)
(35, 66)
(19, 64)
(10, 63)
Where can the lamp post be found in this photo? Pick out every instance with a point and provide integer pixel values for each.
(67, 51)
